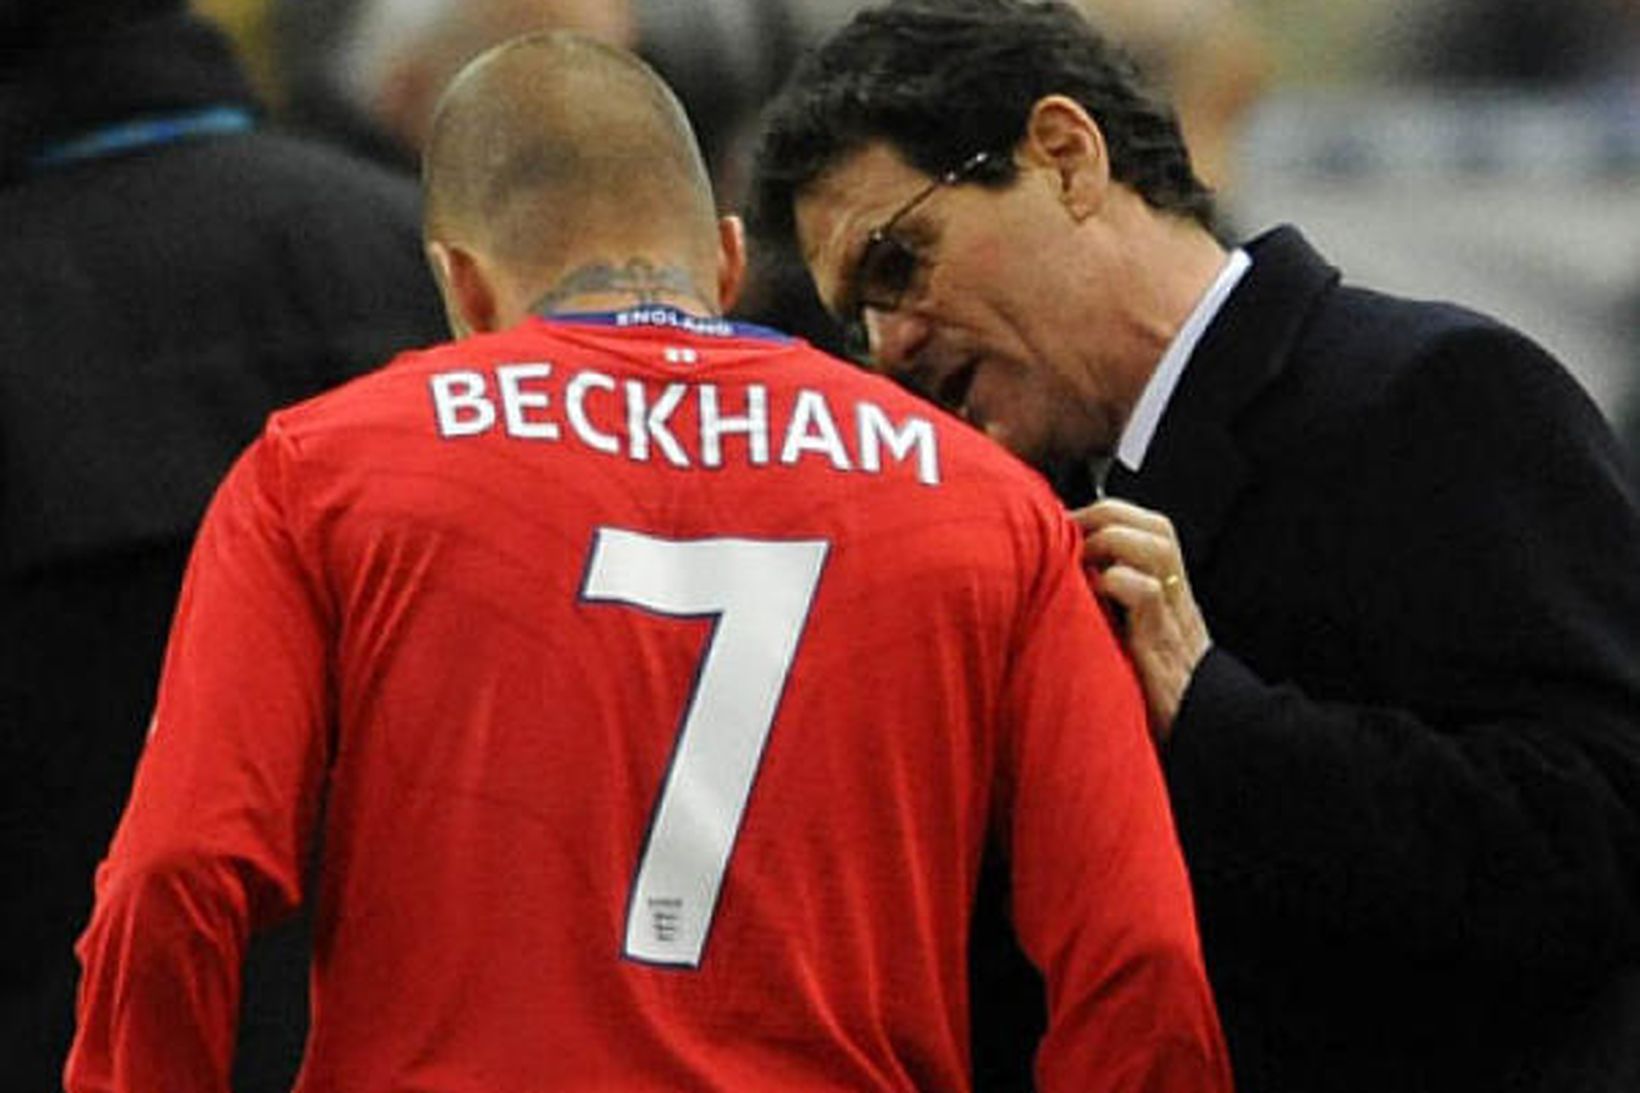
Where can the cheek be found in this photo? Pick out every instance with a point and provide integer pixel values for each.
(1010, 283)
(990, 255)
(1027, 310)
(1025, 257)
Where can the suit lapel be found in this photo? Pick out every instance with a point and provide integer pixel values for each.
(1196, 465)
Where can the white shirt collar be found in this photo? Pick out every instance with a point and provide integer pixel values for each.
(1153, 400)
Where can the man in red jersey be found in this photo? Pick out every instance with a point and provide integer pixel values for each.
(641, 687)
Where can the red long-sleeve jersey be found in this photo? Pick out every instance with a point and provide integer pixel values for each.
(645, 690)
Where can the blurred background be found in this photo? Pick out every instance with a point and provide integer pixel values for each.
(1484, 151)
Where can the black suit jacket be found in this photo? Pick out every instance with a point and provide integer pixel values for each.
(1407, 776)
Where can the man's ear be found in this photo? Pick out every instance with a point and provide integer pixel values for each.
(470, 302)
(731, 260)
(1062, 136)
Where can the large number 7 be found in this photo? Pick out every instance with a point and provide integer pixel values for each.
(760, 591)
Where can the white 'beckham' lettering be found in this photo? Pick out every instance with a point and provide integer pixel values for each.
(645, 423)
(634, 420)
(515, 400)
(575, 399)
(459, 399)
(812, 430)
(714, 426)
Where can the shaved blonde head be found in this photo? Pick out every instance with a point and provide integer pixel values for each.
(555, 148)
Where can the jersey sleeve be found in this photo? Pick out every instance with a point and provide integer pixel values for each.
(1102, 904)
(214, 836)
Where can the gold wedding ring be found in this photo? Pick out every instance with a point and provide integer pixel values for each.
(1171, 582)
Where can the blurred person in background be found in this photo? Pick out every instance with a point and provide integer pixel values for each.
(367, 72)
(1377, 561)
(1524, 43)
(249, 26)
(174, 273)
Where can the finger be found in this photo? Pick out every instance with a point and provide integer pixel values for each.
(1134, 589)
(1142, 550)
(1110, 511)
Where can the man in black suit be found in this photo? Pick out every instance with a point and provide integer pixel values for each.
(174, 271)
(1377, 561)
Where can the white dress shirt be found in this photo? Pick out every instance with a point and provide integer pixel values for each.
(1153, 400)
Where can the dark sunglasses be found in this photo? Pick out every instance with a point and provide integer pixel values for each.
(887, 265)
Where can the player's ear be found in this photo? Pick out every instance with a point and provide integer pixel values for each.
(470, 301)
(731, 260)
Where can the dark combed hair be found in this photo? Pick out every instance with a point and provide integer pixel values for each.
(943, 79)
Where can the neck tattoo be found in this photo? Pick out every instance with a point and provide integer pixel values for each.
(639, 278)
